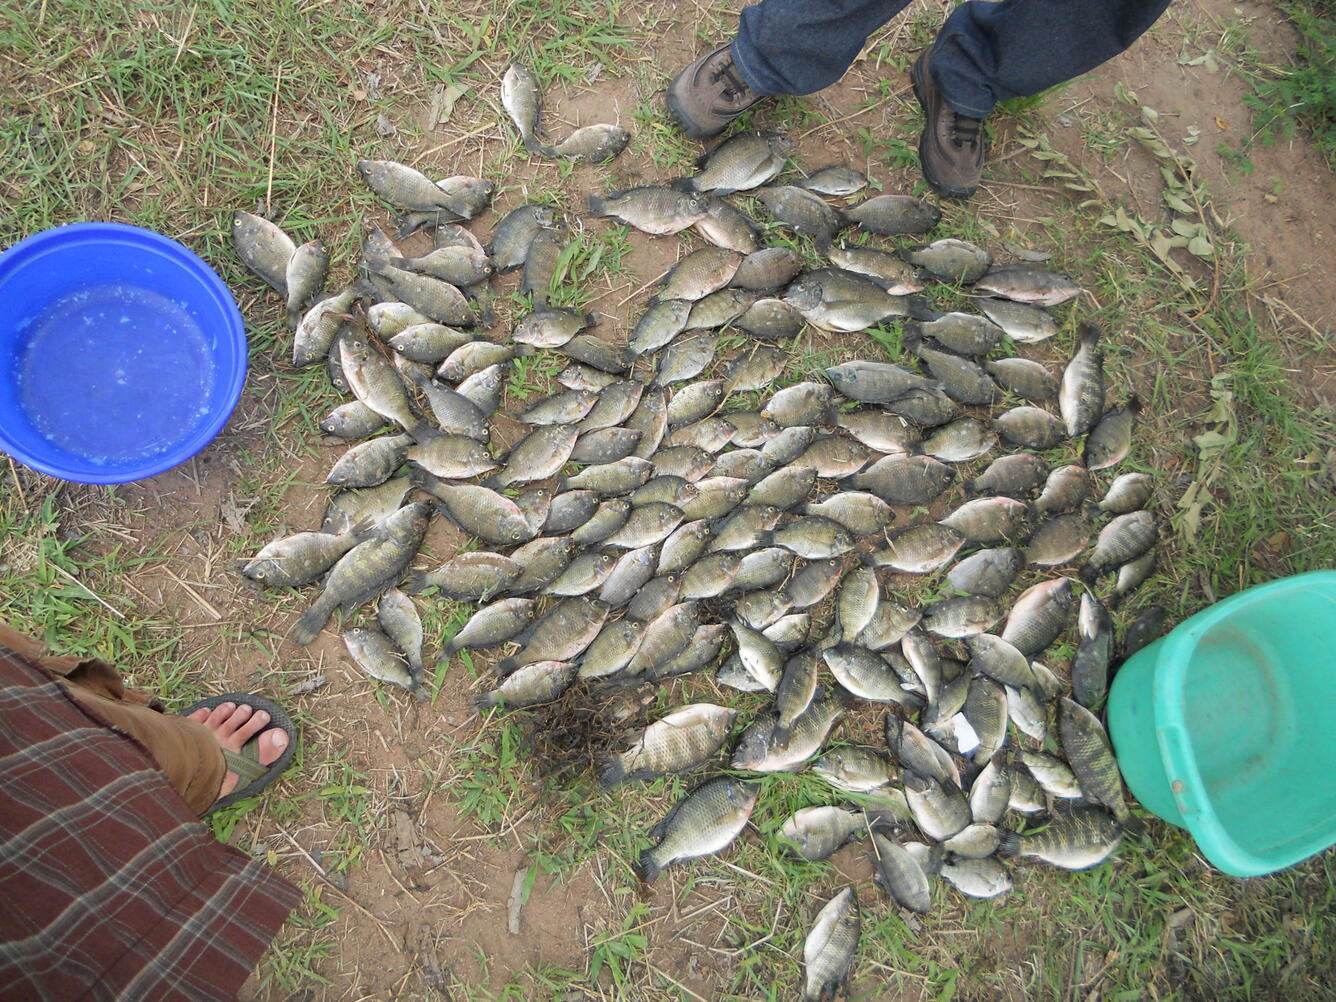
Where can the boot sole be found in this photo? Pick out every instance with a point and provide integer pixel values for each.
(689, 128)
(945, 190)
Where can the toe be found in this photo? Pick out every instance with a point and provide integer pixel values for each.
(273, 742)
(253, 726)
(219, 715)
(239, 716)
(199, 716)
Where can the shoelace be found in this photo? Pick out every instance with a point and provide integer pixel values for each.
(735, 88)
(965, 131)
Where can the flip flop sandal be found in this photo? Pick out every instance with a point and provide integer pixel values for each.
(252, 776)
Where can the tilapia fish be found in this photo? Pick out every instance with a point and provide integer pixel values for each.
(707, 820)
(679, 741)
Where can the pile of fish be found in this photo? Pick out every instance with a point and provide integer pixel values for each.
(667, 513)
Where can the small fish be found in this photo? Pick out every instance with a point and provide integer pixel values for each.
(1023, 377)
(677, 742)
(523, 103)
(1030, 427)
(537, 456)
(1059, 540)
(650, 419)
(700, 273)
(493, 624)
(828, 952)
(884, 268)
(963, 380)
(999, 660)
(880, 430)
(960, 441)
(1064, 490)
(451, 457)
(919, 548)
(1028, 283)
(1038, 615)
(978, 878)
(963, 333)
(755, 369)
(352, 420)
(814, 833)
(725, 226)
(1081, 395)
(803, 212)
(706, 821)
(367, 569)
(686, 358)
(767, 270)
(459, 266)
(650, 208)
(951, 260)
(540, 682)
(1110, 440)
(303, 278)
(515, 232)
(541, 562)
(759, 750)
(1020, 321)
(1087, 748)
(301, 558)
(1090, 669)
(560, 634)
(813, 538)
(771, 320)
(875, 382)
(861, 513)
(894, 215)
(263, 248)
(837, 300)
(901, 875)
(376, 655)
(1123, 540)
(795, 691)
(370, 463)
(1015, 476)
(962, 615)
(990, 794)
(551, 327)
(905, 480)
(939, 811)
(988, 572)
(398, 617)
(741, 162)
(403, 186)
(1127, 493)
(483, 512)
(540, 266)
(1076, 840)
(837, 181)
(593, 144)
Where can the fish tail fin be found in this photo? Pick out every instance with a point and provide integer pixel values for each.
(611, 772)
(687, 184)
(1008, 844)
(539, 149)
(311, 623)
(913, 335)
(1088, 333)
(362, 530)
(647, 867)
(401, 262)
(1089, 574)
(506, 665)
(484, 701)
(415, 583)
(597, 206)
(920, 308)
(1134, 404)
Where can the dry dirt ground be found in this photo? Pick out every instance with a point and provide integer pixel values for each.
(429, 899)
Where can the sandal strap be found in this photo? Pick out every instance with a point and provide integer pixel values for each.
(248, 769)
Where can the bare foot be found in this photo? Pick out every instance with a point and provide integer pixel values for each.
(233, 725)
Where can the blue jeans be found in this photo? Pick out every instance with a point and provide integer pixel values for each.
(985, 52)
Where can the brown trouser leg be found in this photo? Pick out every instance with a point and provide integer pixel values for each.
(185, 750)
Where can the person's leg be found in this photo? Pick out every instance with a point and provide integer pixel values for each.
(188, 750)
(988, 52)
(801, 46)
(782, 47)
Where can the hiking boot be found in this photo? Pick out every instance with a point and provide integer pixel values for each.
(709, 94)
(951, 147)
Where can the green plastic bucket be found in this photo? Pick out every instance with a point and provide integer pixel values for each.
(1227, 725)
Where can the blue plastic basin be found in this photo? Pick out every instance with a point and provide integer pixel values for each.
(122, 354)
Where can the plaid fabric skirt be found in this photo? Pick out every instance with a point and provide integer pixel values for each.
(110, 888)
